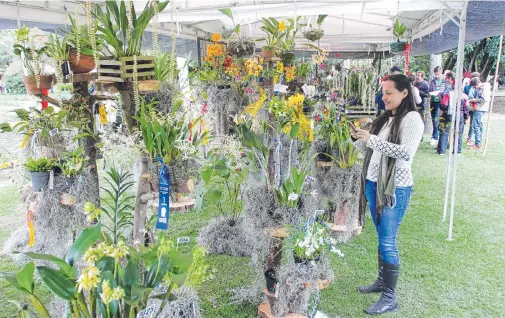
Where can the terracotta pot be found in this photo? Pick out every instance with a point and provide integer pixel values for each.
(86, 62)
(268, 53)
(46, 82)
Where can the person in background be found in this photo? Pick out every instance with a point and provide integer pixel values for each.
(395, 70)
(424, 90)
(415, 92)
(467, 92)
(381, 107)
(387, 181)
(479, 97)
(447, 116)
(436, 87)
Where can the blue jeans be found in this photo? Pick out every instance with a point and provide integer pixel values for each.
(390, 220)
(443, 141)
(477, 127)
(470, 130)
(435, 106)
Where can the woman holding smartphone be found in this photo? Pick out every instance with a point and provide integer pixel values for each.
(390, 147)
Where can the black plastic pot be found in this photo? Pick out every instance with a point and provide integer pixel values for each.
(69, 181)
(271, 280)
(39, 180)
(65, 68)
(305, 261)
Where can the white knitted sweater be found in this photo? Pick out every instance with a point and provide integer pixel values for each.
(411, 132)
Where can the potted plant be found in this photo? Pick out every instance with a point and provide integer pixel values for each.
(316, 34)
(302, 71)
(399, 30)
(272, 28)
(240, 47)
(310, 240)
(72, 165)
(287, 41)
(58, 51)
(39, 170)
(335, 137)
(82, 47)
(29, 48)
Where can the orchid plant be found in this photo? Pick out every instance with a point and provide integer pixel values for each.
(311, 240)
(118, 281)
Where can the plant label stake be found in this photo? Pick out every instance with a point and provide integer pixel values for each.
(146, 313)
(51, 180)
(164, 198)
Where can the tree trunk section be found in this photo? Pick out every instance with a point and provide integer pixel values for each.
(143, 189)
(89, 144)
(127, 104)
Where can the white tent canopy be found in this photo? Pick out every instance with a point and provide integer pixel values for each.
(352, 25)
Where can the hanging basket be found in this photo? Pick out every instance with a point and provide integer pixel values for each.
(241, 48)
(288, 58)
(85, 65)
(398, 47)
(314, 34)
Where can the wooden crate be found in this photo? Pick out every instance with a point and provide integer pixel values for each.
(122, 70)
(109, 71)
(145, 67)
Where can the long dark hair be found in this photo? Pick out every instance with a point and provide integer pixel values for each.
(407, 105)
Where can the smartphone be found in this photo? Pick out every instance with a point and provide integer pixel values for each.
(352, 128)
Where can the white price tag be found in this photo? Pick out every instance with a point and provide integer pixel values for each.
(183, 239)
(146, 313)
(310, 179)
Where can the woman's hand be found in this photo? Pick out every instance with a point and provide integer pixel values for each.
(361, 134)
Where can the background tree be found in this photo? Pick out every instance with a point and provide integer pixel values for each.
(479, 57)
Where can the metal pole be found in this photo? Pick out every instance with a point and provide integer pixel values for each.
(459, 77)
(449, 161)
(19, 15)
(492, 96)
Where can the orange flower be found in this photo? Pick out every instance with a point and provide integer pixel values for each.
(282, 26)
(215, 37)
(214, 50)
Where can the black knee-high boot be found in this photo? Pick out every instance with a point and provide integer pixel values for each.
(387, 301)
(376, 287)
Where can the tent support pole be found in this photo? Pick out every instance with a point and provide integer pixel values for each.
(495, 83)
(458, 94)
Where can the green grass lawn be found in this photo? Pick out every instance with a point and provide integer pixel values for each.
(460, 278)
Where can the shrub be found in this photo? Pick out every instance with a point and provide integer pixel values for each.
(13, 78)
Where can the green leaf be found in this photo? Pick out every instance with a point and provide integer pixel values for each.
(25, 277)
(106, 263)
(227, 12)
(22, 114)
(178, 279)
(87, 238)
(59, 283)
(131, 274)
(214, 195)
(5, 127)
(157, 271)
(237, 28)
(39, 307)
(294, 130)
(12, 279)
(180, 260)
